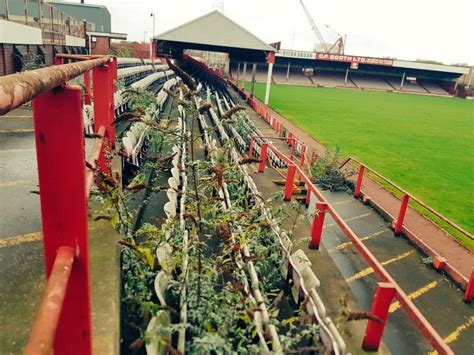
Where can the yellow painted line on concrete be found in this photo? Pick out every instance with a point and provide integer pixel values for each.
(17, 150)
(19, 239)
(455, 335)
(348, 244)
(348, 220)
(19, 130)
(369, 270)
(343, 202)
(414, 295)
(13, 116)
(27, 238)
(16, 183)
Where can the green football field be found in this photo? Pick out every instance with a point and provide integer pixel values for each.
(424, 144)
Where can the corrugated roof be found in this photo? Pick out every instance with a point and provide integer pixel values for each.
(215, 29)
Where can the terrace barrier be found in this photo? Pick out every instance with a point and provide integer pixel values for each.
(439, 263)
(387, 288)
(399, 226)
(63, 323)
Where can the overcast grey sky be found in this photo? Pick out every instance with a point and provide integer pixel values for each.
(408, 29)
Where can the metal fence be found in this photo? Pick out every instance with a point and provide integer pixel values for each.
(63, 323)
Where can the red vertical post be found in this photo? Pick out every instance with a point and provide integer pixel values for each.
(308, 194)
(360, 177)
(114, 68)
(288, 139)
(314, 155)
(59, 136)
(293, 147)
(103, 109)
(317, 226)
(58, 61)
(401, 215)
(113, 87)
(380, 306)
(263, 157)
(87, 84)
(251, 147)
(469, 294)
(303, 154)
(290, 180)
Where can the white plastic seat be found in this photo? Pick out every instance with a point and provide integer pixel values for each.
(127, 145)
(172, 196)
(170, 209)
(161, 284)
(173, 183)
(156, 329)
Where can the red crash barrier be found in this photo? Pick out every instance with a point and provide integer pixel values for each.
(387, 290)
(63, 323)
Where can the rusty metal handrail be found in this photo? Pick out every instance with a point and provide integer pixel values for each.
(413, 198)
(17, 89)
(412, 311)
(44, 328)
(78, 57)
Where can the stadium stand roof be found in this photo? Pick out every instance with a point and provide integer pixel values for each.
(214, 32)
(328, 62)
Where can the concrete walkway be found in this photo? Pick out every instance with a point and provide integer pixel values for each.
(341, 269)
(22, 278)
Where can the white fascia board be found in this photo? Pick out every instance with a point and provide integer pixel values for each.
(429, 66)
(16, 33)
(75, 41)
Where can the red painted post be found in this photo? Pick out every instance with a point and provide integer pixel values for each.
(314, 155)
(360, 177)
(288, 139)
(263, 157)
(114, 67)
(469, 294)
(317, 226)
(401, 215)
(303, 154)
(251, 147)
(308, 195)
(113, 87)
(103, 109)
(58, 61)
(87, 84)
(380, 306)
(59, 134)
(293, 147)
(290, 180)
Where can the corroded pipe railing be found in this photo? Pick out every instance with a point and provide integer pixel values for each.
(17, 89)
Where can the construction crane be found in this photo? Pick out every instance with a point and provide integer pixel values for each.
(339, 44)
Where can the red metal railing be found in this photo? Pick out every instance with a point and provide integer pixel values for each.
(386, 290)
(398, 223)
(399, 226)
(439, 262)
(63, 323)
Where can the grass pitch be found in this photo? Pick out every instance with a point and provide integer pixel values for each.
(424, 144)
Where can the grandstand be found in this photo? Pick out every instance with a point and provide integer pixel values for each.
(363, 73)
